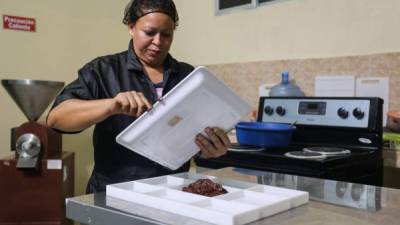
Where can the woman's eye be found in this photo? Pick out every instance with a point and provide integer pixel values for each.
(150, 33)
(166, 34)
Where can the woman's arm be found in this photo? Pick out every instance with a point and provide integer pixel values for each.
(76, 114)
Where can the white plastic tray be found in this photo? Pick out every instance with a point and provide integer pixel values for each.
(166, 134)
(244, 202)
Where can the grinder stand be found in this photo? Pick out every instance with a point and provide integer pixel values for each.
(39, 176)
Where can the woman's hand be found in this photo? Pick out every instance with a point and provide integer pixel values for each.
(130, 103)
(76, 114)
(215, 145)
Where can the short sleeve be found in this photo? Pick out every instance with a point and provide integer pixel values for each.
(84, 87)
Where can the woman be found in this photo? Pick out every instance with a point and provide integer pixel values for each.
(112, 91)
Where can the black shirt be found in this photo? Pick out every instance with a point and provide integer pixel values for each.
(105, 77)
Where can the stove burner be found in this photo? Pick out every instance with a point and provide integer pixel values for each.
(328, 151)
(305, 155)
(235, 147)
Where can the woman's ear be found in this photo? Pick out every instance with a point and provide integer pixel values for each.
(131, 27)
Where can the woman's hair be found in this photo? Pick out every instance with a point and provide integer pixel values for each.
(138, 8)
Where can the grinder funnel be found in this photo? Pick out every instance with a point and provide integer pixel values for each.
(32, 96)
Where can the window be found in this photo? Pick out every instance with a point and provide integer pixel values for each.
(233, 3)
(262, 1)
(225, 6)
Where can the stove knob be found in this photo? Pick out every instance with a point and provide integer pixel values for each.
(280, 180)
(358, 113)
(267, 179)
(280, 110)
(341, 188)
(357, 191)
(269, 110)
(343, 113)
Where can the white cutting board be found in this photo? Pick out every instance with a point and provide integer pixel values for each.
(166, 134)
(374, 87)
(334, 86)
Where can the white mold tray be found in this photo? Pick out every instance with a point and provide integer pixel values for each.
(166, 134)
(244, 202)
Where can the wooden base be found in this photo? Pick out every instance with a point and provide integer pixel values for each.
(36, 197)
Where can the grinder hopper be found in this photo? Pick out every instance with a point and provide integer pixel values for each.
(32, 97)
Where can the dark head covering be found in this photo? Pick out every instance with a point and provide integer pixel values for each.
(138, 8)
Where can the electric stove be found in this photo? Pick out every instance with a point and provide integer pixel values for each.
(338, 138)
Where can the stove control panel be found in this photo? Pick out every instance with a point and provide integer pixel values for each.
(317, 111)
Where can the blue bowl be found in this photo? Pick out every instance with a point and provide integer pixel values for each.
(263, 134)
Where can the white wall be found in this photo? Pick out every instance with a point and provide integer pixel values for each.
(70, 33)
(287, 29)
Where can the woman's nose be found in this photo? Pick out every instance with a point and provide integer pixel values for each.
(157, 39)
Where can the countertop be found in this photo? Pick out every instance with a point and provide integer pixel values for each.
(331, 202)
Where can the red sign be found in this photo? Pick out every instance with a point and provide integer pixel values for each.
(19, 23)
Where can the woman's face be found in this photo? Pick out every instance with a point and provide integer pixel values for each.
(152, 36)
